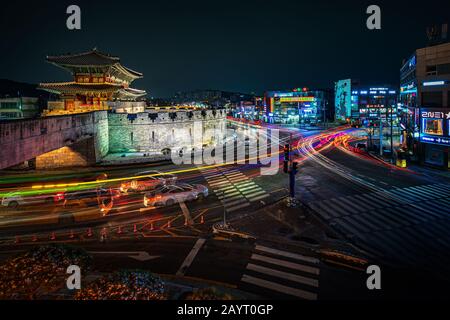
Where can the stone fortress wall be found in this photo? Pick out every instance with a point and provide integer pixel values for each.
(85, 139)
(156, 131)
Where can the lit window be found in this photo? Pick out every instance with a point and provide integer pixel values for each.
(433, 126)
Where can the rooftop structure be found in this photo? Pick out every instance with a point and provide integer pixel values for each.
(97, 79)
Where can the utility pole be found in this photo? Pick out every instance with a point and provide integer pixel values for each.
(290, 167)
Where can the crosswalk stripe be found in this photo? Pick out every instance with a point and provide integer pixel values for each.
(238, 207)
(217, 184)
(224, 188)
(258, 198)
(364, 203)
(377, 222)
(336, 209)
(253, 193)
(346, 224)
(316, 208)
(436, 190)
(421, 193)
(352, 208)
(404, 194)
(287, 264)
(283, 275)
(253, 186)
(280, 288)
(235, 174)
(232, 203)
(362, 223)
(244, 183)
(287, 254)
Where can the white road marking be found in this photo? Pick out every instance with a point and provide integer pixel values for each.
(286, 264)
(190, 257)
(284, 275)
(280, 288)
(287, 254)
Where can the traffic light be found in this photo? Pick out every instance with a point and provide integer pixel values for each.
(286, 152)
(286, 158)
(294, 167)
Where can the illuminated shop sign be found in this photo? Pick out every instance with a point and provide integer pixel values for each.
(434, 83)
(435, 126)
(435, 114)
(435, 140)
(296, 99)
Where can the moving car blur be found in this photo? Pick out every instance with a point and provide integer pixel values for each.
(171, 194)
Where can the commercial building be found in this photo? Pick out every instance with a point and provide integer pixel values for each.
(364, 105)
(425, 102)
(18, 108)
(300, 105)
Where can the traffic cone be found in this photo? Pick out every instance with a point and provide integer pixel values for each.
(89, 232)
(71, 234)
(135, 229)
(202, 220)
(53, 236)
(34, 238)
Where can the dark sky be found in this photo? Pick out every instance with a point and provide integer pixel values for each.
(246, 45)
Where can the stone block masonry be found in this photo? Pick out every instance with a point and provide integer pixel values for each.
(85, 139)
(155, 132)
(23, 140)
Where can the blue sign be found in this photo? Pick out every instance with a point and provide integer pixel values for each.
(435, 140)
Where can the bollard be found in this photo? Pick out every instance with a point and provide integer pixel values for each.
(168, 224)
(202, 220)
(151, 226)
(135, 229)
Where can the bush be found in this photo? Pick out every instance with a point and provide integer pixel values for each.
(40, 270)
(210, 293)
(124, 285)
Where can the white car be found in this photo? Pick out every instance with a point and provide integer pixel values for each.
(147, 180)
(169, 195)
(15, 199)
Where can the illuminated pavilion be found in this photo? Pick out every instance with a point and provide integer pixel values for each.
(99, 81)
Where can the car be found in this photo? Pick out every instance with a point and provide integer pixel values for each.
(361, 146)
(201, 190)
(88, 198)
(147, 180)
(17, 198)
(171, 194)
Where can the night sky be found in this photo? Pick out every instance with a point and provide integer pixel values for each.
(245, 46)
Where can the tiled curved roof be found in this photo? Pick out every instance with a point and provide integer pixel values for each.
(90, 58)
(73, 87)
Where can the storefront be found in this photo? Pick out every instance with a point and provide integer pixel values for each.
(435, 137)
(299, 106)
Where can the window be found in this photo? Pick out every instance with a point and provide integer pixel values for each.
(443, 68)
(432, 99)
(431, 70)
(433, 126)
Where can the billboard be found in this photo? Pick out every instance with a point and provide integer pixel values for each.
(343, 103)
